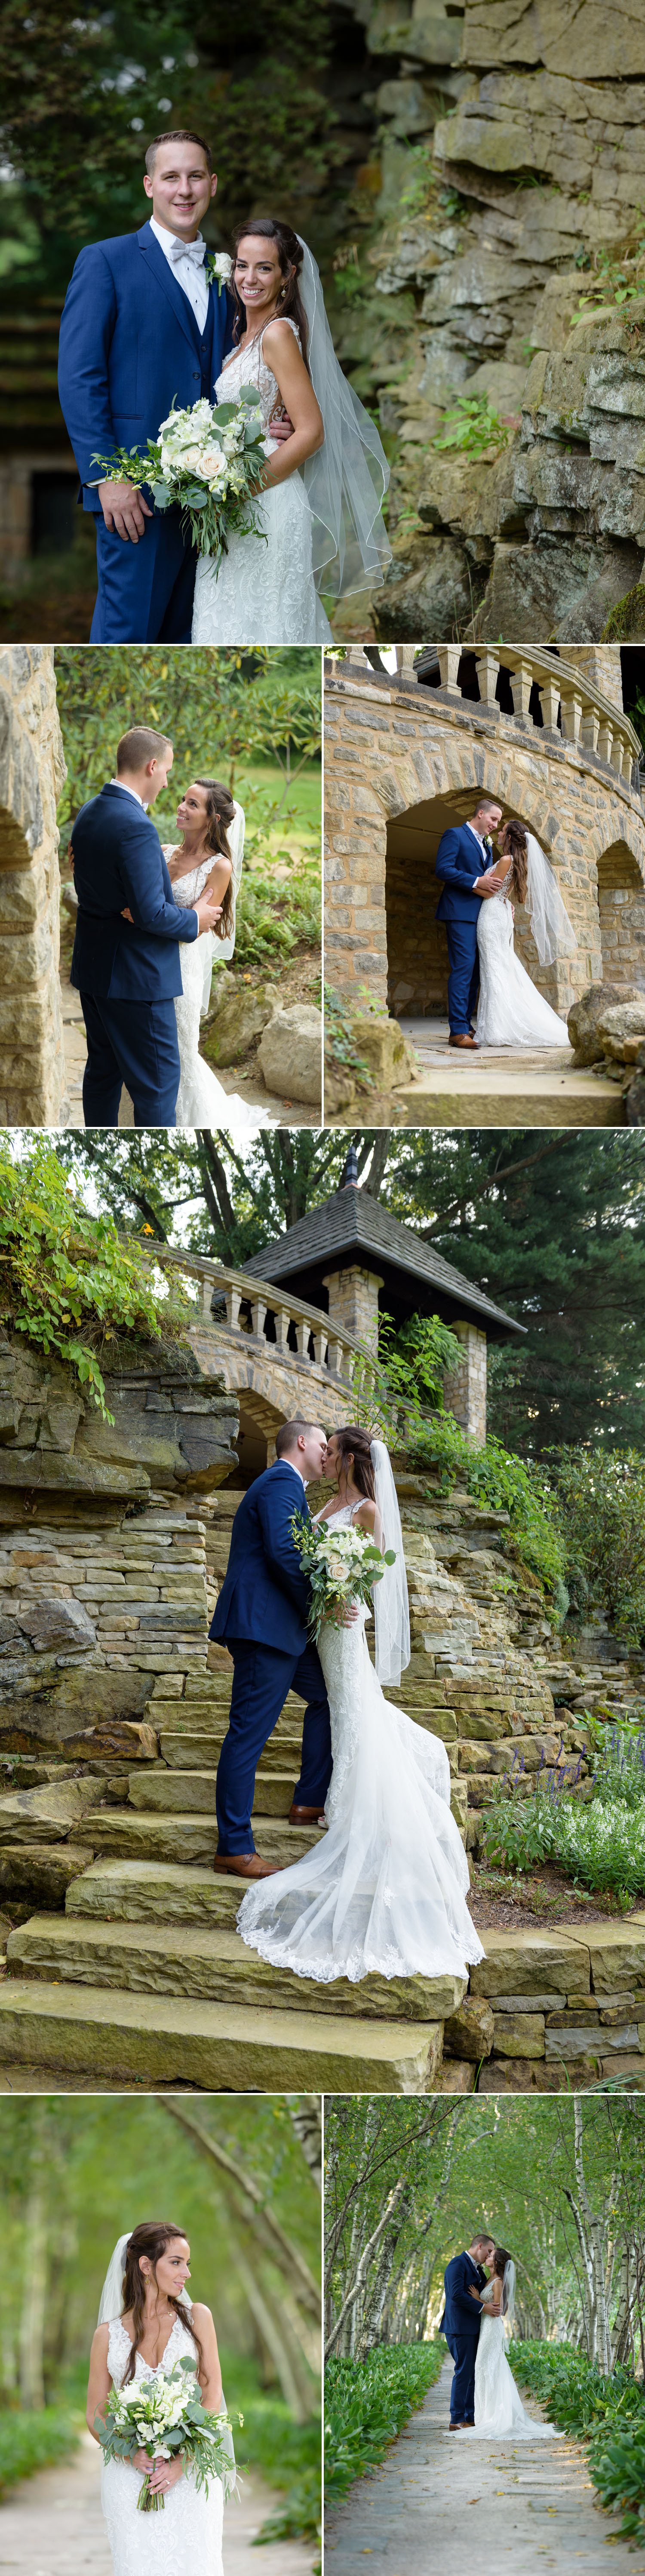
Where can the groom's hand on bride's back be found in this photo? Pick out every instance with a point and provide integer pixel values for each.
(207, 913)
(124, 510)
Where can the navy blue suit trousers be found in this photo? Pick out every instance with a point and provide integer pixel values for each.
(262, 1679)
(133, 1043)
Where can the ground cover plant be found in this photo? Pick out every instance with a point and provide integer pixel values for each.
(599, 1842)
(30, 2442)
(366, 2404)
(607, 2411)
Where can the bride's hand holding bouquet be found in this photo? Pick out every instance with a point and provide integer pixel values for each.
(163, 2420)
(342, 1566)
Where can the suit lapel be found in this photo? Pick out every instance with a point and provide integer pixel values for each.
(170, 287)
(301, 1505)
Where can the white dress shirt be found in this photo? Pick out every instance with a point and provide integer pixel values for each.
(129, 791)
(189, 272)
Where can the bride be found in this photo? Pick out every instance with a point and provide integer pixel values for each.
(147, 2323)
(322, 488)
(387, 1888)
(511, 1012)
(209, 854)
(499, 2413)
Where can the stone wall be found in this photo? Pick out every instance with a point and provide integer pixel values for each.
(105, 1587)
(403, 762)
(527, 123)
(32, 770)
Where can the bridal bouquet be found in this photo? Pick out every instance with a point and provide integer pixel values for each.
(206, 462)
(162, 2416)
(342, 1566)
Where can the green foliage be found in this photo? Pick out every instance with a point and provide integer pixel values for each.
(341, 1045)
(275, 916)
(30, 2442)
(609, 2413)
(218, 706)
(66, 1280)
(491, 1475)
(616, 280)
(288, 2455)
(366, 2404)
(599, 1845)
(602, 1500)
(472, 426)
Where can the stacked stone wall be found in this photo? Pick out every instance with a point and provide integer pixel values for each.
(32, 770)
(403, 763)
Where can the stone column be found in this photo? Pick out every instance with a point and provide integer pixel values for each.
(32, 771)
(353, 1302)
(464, 1388)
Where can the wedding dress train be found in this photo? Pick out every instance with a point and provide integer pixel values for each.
(201, 1100)
(499, 2413)
(511, 1012)
(184, 2540)
(264, 591)
(386, 1888)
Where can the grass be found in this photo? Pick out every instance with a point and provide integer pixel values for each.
(366, 2404)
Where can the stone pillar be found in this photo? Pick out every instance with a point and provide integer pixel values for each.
(32, 771)
(353, 1302)
(599, 665)
(464, 1388)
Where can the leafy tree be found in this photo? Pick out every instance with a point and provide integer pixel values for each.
(218, 705)
(66, 1280)
(197, 1189)
(603, 1515)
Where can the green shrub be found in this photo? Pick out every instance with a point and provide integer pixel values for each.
(600, 1846)
(601, 1494)
(278, 914)
(366, 2403)
(30, 2442)
(67, 1281)
(288, 2454)
(472, 426)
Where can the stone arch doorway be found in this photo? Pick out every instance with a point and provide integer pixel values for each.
(621, 913)
(417, 947)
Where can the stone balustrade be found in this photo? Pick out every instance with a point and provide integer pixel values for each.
(299, 1331)
(595, 723)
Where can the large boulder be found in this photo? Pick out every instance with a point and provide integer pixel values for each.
(382, 1047)
(239, 1013)
(58, 1627)
(584, 1019)
(622, 1030)
(290, 1054)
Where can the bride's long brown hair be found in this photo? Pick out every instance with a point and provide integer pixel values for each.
(150, 2238)
(220, 809)
(357, 1445)
(514, 838)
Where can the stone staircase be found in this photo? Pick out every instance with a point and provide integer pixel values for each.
(143, 1976)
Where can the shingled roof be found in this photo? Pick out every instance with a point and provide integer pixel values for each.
(351, 1226)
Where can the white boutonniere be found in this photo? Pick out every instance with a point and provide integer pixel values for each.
(488, 845)
(219, 266)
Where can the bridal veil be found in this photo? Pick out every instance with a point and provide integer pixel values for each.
(346, 481)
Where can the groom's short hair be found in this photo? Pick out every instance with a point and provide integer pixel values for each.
(139, 746)
(288, 1434)
(177, 134)
(489, 805)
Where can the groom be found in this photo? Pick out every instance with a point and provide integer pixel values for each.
(464, 856)
(126, 963)
(461, 2322)
(143, 326)
(262, 1616)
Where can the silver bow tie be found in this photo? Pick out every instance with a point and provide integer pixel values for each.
(188, 250)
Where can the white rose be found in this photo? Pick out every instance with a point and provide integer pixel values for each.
(192, 459)
(223, 266)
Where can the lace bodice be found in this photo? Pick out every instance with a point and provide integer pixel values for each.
(120, 2346)
(186, 890)
(248, 367)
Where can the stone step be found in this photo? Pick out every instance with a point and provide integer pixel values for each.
(168, 1792)
(152, 1891)
(513, 1098)
(200, 1751)
(212, 1962)
(188, 1838)
(216, 2048)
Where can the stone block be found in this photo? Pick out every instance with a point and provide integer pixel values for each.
(469, 2032)
(584, 1020)
(238, 1014)
(519, 2034)
(290, 1053)
(58, 1627)
(617, 1956)
(212, 2047)
(527, 1962)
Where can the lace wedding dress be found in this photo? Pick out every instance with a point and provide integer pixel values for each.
(201, 1100)
(511, 1012)
(386, 1888)
(264, 592)
(499, 2413)
(184, 2540)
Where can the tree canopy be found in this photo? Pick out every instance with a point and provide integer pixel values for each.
(220, 707)
(551, 1225)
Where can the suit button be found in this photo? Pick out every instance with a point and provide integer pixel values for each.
(195, 376)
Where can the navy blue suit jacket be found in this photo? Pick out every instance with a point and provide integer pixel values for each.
(458, 862)
(129, 344)
(118, 859)
(265, 1595)
(461, 2315)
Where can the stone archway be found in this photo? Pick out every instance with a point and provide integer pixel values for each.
(621, 913)
(417, 947)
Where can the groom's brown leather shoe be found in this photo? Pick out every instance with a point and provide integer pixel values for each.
(245, 1865)
(467, 1042)
(306, 1815)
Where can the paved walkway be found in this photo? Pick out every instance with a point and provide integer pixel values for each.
(53, 2526)
(440, 2502)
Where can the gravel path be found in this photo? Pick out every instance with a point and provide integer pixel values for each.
(442, 2503)
(53, 2526)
